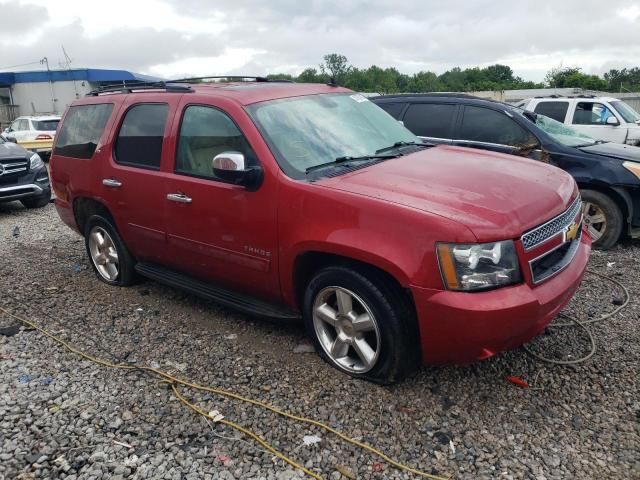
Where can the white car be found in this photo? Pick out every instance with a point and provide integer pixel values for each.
(601, 118)
(34, 133)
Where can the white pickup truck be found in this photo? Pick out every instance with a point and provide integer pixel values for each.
(601, 118)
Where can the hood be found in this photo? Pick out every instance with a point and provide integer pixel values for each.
(614, 150)
(496, 196)
(12, 150)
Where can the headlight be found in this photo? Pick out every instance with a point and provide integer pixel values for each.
(469, 267)
(633, 167)
(36, 162)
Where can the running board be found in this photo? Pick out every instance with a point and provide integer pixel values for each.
(219, 295)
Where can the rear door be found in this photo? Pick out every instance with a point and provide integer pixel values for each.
(131, 180)
(489, 129)
(556, 109)
(433, 122)
(217, 231)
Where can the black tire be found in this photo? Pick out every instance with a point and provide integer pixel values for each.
(399, 352)
(613, 216)
(37, 202)
(126, 263)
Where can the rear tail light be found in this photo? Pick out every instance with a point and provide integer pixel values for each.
(44, 137)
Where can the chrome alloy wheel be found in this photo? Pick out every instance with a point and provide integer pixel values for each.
(103, 253)
(346, 329)
(594, 219)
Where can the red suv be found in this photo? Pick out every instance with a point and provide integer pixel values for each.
(299, 200)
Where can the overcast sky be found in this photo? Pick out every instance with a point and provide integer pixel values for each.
(172, 38)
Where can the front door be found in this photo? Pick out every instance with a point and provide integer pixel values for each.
(493, 130)
(220, 232)
(591, 118)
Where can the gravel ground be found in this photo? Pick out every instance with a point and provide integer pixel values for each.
(61, 416)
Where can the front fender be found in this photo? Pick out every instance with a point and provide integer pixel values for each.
(398, 240)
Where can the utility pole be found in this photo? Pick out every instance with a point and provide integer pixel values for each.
(45, 61)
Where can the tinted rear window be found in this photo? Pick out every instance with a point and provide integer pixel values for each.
(393, 109)
(45, 125)
(555, 110)
(430, 119)
(82, 129)
(139, 142)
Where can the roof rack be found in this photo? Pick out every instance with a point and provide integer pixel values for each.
(136, 86)
(242, 78)
(433, 94)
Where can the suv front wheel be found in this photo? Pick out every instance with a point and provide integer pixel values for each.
(361, 324)
(602, 218)
(110, 259)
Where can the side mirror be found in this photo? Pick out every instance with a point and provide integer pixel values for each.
(230, 167)
(612, 121)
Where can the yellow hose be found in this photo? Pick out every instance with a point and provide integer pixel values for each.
(174, 381)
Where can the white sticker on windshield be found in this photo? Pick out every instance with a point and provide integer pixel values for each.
(359, 98)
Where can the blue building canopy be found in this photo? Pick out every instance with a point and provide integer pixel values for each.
(93, 75)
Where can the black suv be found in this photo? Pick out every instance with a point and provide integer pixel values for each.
(23, 176)
(608, 174)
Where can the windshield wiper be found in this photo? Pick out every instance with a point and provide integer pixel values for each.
(403, 144)
(339, 160)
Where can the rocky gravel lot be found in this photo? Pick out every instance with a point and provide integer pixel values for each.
(65, 417)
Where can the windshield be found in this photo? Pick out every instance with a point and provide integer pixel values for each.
(308, 131)
(45, 125)
(564, 134)
(628, 113)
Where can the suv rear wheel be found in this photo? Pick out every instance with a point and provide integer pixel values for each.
(361, 324)
(110, 259)
(602, 217)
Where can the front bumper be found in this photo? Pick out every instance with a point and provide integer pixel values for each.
(460, 327)
(33, 184)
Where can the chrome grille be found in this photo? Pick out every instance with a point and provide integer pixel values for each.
(540, 234)
(553, 262)
(13, 165)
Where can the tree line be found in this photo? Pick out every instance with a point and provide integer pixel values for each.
(336, 67)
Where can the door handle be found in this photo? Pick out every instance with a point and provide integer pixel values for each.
(179, 197)
(111, 182)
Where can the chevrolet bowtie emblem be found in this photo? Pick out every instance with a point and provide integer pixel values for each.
(571, 231)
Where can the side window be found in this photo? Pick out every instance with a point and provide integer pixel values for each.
(431, 119)
(23, 125)
(81, 130)
(555, 110)
(393, 109)
(591, 113)
(204, 133)
(139, 141)
(489, 126)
